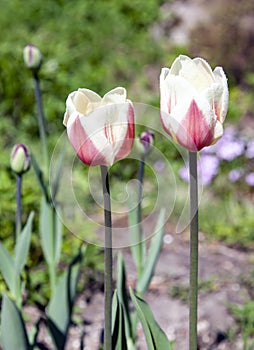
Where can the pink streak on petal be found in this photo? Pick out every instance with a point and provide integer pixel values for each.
(194, 132)
(217, 111)
(85, 149)
(127, 145)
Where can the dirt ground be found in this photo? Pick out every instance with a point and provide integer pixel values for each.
(221, 270)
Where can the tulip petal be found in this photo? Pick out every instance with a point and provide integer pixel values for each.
(197, 71)
(221, 78)
(107, 128)
(90, 95)
(127, 145)
(175, 90)
(194, 133)
(82, 144)
(117, 95)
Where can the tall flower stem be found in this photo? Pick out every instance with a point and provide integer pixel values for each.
(193, 251)
(140, 194)
(107, 260)
(41, 118)
(18, 205)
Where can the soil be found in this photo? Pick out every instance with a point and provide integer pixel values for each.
(222, 270)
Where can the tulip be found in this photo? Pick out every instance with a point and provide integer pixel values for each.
(101, 130)
(32, 57)
(20, 159)
(193, 102)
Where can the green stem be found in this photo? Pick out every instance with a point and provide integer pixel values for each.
(18, 205)
(107, 260)
(140, 233)
(41, 118)
(193, 251)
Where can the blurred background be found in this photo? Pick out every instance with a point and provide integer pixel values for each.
(102, 44)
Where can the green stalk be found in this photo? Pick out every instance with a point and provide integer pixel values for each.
(41, 118)
(140, 195)
(18, 205)
(193, 251)
(107, 260)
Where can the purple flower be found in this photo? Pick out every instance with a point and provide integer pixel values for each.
(250, 150)
(229, 149)
(235, 175)
(184, 173)
(249, 179)
(208, 166)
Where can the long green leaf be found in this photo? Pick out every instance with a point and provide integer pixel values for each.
(153, 255)
(119, 341)
(61, 304)
(58, 236)
(136, 235)
(50, 233)
(156, 339)
(57, 176)
(122, 294)
(22, 245)
(7, 268)
(47, 231)
(13, 331)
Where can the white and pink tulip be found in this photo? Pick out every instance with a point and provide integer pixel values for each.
(193, 102)
(100, 129)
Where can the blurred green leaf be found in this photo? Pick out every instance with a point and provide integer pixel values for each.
(57, 174)
(50, 233)
(13, 331)
(156, 339)
(22, 245)
(122, 295)
(138, 246)
(153, 255)
(61, 303)
(119, 341)
(7, 268)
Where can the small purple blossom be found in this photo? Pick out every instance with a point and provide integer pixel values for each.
(208, 167)
(229, 149)
(235, 175)
(250, 150)
(249, 179)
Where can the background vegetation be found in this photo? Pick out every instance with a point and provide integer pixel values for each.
(102, 44)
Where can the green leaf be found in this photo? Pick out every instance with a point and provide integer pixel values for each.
(136, 234)
(57, 174)
(13, 331)
(61, 303)
(156, 339)
(22, 245)
(50, 233)
(119, 341)
(7, 268)
(122, 294)
(153, 255)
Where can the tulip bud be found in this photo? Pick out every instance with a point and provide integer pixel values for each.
(20, 159)
(193, 102)
(32, 57)
(145, 143)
